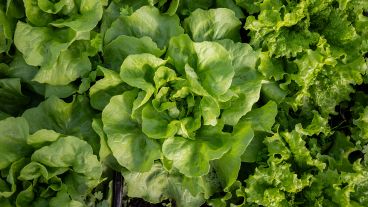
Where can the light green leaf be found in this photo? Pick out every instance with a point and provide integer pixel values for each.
(263, 118)
(213, 24)
(228, 166)
(102, 91)
(42, 137)
(157, 124)
(146, 21)
(214, 67)
(41, 46)
(73, 118)
(70, 152)
(192, 157)
(70, 65)
(157, 185)
(118, 49)
(132, 149)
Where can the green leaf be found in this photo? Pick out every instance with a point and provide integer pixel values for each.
(248, 94)
(78, 15)
(41, 46)
(230, 4)
(12, 99)
(210, 110)
(131, 148)
(263, 118)
(121, 47)
(89, 14)
(105, 154)
(102, 91)
(25, 197)
(228, 166)
(138, 71)
(73, 118)
(8, 188)
(301, 154)
(157, 124)
(146, 21)
(70, 65)
(13, 140)
(192, 157)
(42, 137)
(70, 152)
(157, 185)
(62, 198)
(213, 24)
(246, 83)
(271, 68)
(213, 67)
(181, 52)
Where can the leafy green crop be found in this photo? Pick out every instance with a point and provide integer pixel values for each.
(208, 102)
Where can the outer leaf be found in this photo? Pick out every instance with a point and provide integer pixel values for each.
(12, 100)
(213, 24)
(13, 140)
(42, 137)
(70, 152)
(41, 46)
(132, 149)
(146, 21)
(66, 118)
(118, 49)
(192, 157)
(228, 166)
(263, 118)
(70, 65)
(157, 185)
(102, 91)
(89, 14)
(246, 82)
